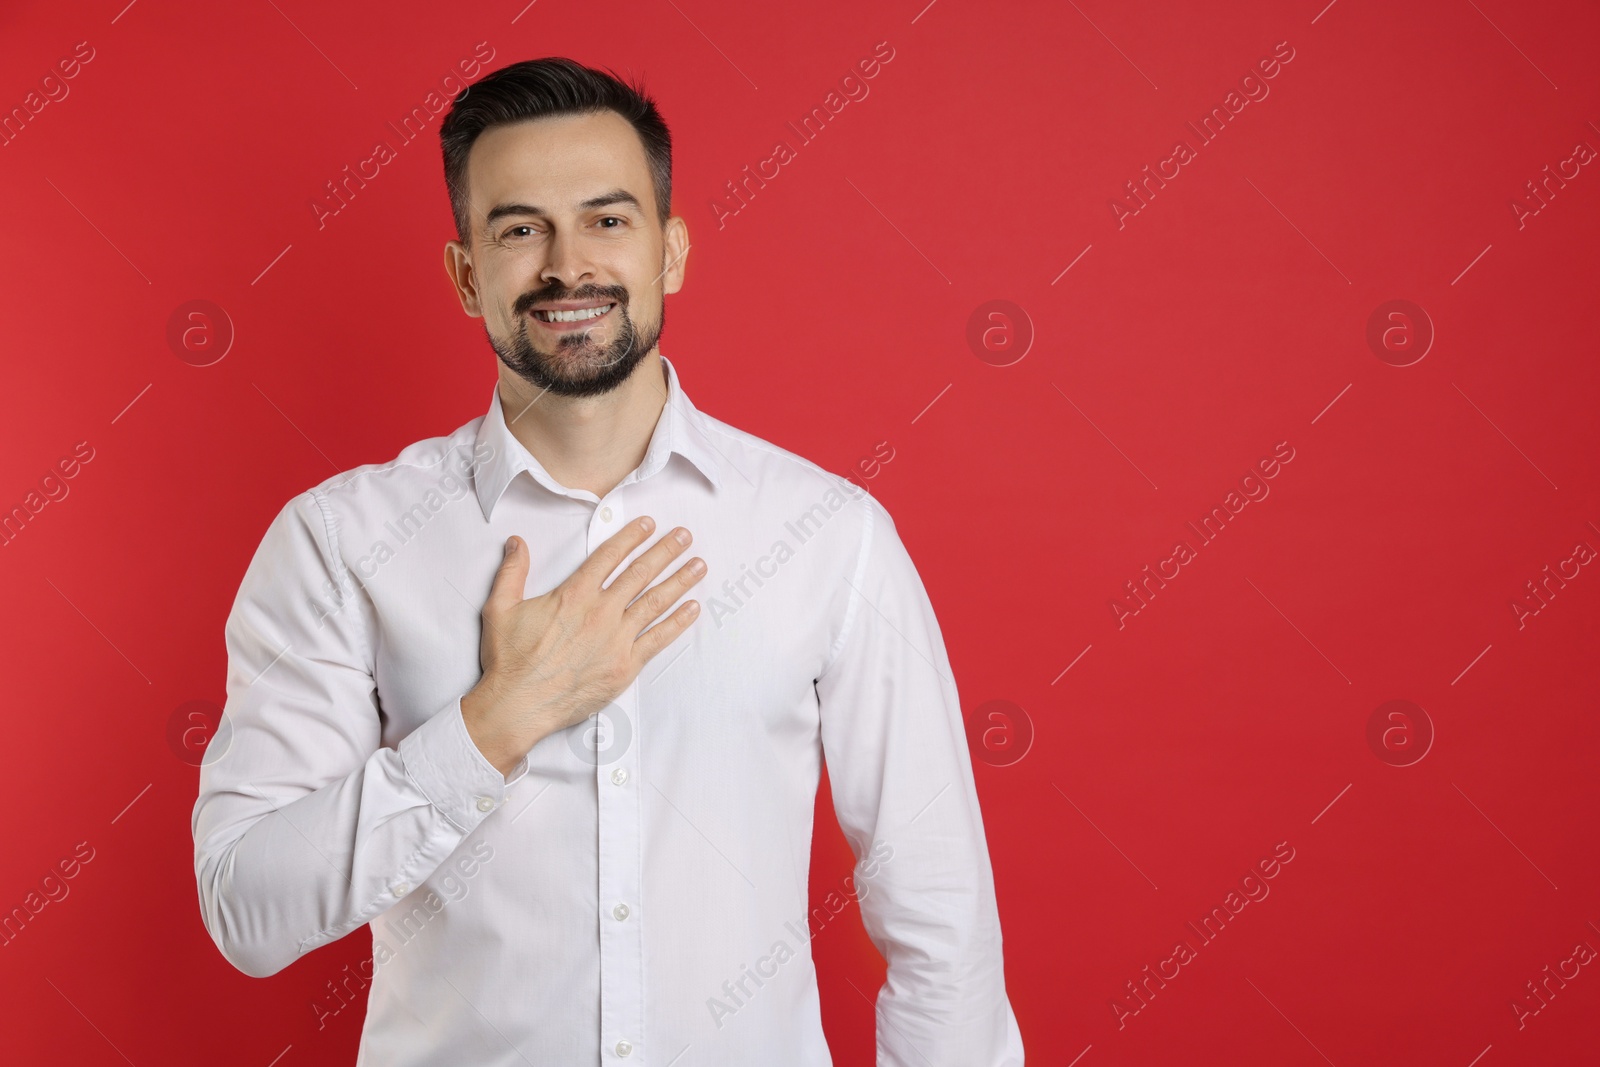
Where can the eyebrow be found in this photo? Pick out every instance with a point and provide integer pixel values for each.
(615, 196)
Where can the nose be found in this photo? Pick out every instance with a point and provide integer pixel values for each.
(566, 261)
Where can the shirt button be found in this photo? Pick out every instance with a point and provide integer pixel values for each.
(620, 911)
(624, 1047)
(400, 889)
(605, 514)
(485, 804)
(619, 776)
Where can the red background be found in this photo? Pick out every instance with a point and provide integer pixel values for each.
(1228, 315)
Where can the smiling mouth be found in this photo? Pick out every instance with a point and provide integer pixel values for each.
(580, 315)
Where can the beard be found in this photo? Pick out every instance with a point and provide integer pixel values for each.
(578, 365)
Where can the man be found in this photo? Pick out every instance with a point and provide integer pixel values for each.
(578, 820)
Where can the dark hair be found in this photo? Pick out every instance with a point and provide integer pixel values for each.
(539, 88)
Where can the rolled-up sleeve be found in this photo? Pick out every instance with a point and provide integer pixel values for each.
(306, 826)
(904, 794)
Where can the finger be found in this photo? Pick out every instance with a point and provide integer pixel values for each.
(650, 563)
(658, 598)
(510, 580)
(592, 572)
(663, 633)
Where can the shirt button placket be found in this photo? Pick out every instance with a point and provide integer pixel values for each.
(621, 929)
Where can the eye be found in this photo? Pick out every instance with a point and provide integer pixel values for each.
(513, 231)
(613, 218)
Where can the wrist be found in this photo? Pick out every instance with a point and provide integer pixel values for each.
(476, 714)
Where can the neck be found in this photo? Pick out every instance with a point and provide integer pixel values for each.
(587, 442)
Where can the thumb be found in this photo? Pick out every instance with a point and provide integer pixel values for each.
(510, 580)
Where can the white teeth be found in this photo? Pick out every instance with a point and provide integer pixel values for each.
(574, 316)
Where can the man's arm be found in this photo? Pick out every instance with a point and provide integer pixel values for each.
(305, 828)
(898, 766)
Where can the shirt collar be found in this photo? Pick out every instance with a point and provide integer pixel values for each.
(499, 457)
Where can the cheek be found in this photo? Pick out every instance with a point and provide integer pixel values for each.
(499, 320)
(644, 301)
(645, 308)
(504, 277)
(500, 310)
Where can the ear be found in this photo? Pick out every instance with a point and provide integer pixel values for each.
(675, 254)
(458, 265)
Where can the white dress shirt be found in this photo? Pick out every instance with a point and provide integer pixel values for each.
(635, 892)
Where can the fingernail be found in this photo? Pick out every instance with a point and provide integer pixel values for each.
(511, 545)
(681, 536)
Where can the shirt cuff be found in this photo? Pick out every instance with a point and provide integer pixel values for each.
(446, 765)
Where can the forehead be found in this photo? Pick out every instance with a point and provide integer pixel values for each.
(553, 163)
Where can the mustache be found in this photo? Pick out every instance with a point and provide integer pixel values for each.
(613, 293)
